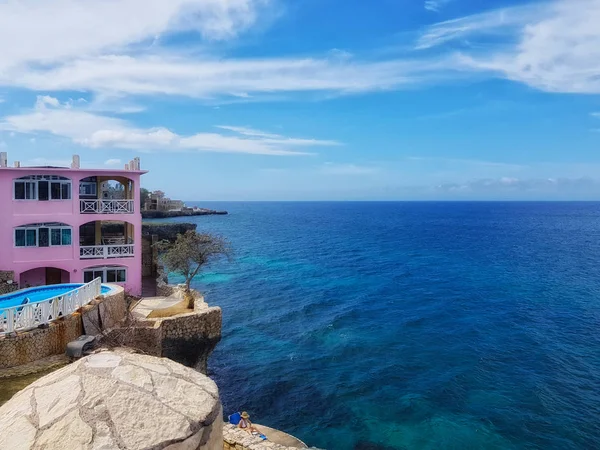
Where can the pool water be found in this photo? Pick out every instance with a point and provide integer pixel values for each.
(38, 294)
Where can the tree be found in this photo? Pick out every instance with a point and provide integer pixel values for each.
(144, 197)
(190, 253)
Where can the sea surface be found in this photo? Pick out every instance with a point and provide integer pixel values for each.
(411, 325)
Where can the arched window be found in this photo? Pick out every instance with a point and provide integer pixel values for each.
(108, 274)
(42, 187)
(51, 234)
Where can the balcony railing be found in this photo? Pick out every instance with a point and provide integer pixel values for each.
(106, 251)
(31, 315)
(106, 206)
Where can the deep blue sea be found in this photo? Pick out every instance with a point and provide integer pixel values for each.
(411, 325)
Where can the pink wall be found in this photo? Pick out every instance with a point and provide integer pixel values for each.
(34, 277)
(14, 213)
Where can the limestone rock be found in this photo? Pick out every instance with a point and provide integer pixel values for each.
(115, 400)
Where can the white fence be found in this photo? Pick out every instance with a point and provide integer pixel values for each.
(105, 251)
(31, 315)
(106, 206)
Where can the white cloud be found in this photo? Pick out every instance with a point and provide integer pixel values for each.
(211, 77)
(112, 162)
(515, 186)
(99, 131)
(347, 169)
(2, 144)
(468, 162)
(435, 5)
(504, 21)
(32, 140)
(27, 34)
(595, 114)
(552, 46)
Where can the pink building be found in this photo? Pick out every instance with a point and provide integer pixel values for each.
(71, 225)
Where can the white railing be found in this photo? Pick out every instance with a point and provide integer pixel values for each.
(31, 315)
(106, 206)
(105, 251)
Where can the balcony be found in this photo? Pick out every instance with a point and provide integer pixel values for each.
(106, 206)
(106, 239)
(106, 251)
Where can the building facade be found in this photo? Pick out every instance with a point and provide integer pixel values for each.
(71, 225)
(157, 201)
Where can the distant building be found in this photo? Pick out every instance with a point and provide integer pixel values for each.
(158, 202)
(71, 225)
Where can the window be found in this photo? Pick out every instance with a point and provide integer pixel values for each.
(42, 187)
(109, 274)
(43, 235)
(25, 190)
(60, 236)
(88, 187)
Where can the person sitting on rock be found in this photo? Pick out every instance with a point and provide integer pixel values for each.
(246, 425)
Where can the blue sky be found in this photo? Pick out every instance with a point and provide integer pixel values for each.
(311, 100)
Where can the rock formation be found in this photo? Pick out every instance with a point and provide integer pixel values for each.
(115, 400)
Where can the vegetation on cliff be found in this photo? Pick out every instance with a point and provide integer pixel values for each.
(190, 253)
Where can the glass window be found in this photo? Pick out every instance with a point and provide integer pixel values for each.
(87, 188)
(25, 190)
(121, 278)
(43, 237)
(55, 191)
(66, 191)
(66, 236)
(19, 190)
(20, 238)
(30, 237)
(30, 190)
(43, 193)
(55, 238)
(37, 187)
(106, 274)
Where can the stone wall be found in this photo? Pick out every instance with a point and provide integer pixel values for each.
(187, 338)
(112, 400)
(190, 338)
(36, 344)
(166, 231)
(105, 313)
(28, 346)
(7, 282)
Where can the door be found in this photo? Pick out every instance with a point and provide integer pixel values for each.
(53, 276)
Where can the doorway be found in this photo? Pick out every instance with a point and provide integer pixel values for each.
(53, 276)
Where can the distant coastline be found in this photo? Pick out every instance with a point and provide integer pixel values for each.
(181, 213)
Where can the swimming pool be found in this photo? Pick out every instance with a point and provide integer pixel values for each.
(41, 293)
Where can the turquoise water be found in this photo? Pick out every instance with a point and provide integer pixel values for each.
(412, 325)
(38, 294)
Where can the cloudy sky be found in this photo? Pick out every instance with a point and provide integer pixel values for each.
(310, 100)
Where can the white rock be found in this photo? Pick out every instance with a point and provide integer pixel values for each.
(103, 440)
(115, 400)
(70, 432)
(104, 360)
(17, 434)
(56, 399)
(142, 421)
(133, 375)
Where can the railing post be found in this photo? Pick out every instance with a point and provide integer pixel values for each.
(10, 320)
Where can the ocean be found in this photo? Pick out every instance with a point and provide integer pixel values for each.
(411, 325)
